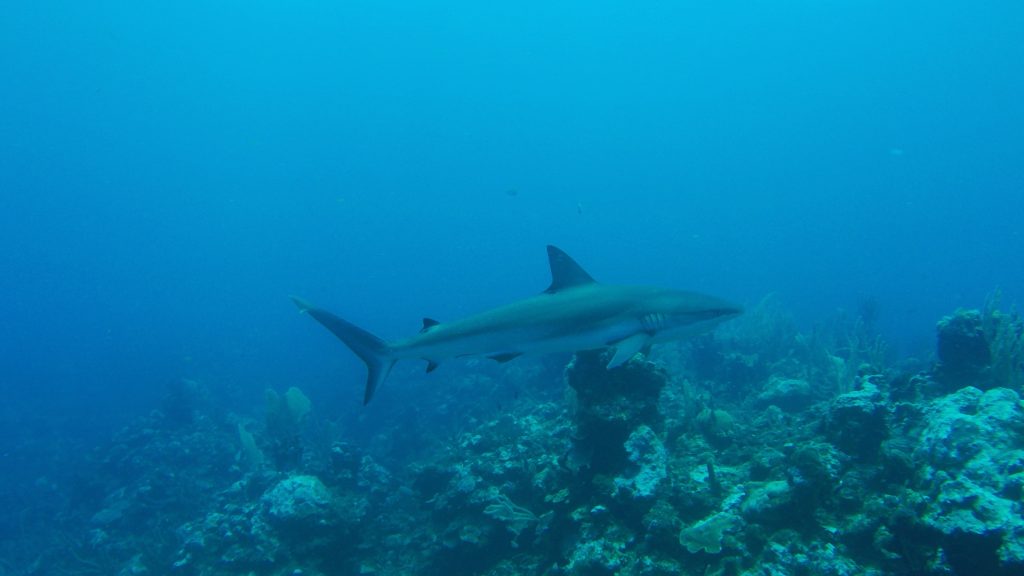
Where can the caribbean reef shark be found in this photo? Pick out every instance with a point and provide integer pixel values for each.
(574, 313)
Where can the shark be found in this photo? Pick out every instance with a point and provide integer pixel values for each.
(574, 313)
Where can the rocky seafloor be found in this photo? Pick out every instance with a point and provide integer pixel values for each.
(758, 450)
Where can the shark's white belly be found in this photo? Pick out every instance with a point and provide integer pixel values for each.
(523, 340)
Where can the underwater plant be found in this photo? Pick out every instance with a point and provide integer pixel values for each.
(515, 517)
(284, 418)
(251, 452)
(1004, 333)
(845, 346)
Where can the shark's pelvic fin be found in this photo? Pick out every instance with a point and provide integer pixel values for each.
(505, 357)
(372, 350)
(565, 272)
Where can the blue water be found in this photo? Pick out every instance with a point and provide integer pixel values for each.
(171, 171)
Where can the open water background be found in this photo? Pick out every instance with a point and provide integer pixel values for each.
(171, 171)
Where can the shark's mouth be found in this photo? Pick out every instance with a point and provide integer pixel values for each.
(715, 313)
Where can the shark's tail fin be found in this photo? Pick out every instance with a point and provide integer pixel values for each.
(372, 350)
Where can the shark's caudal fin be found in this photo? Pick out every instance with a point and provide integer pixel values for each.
(372, 350)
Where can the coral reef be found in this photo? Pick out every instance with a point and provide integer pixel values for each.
(762, 451)
(647, 464)
(971, 444)
(982, 348)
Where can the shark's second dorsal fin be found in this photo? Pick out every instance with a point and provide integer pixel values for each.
(565, 272)
(428, 323)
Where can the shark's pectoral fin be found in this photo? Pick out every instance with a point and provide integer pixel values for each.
(302, 304)
(627, 348)
(502, 358)
(431, 366)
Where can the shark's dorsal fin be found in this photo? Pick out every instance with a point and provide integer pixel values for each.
(428, 323)
(565, 272)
